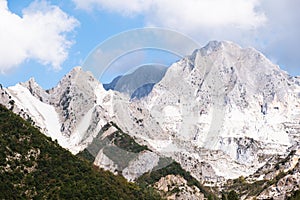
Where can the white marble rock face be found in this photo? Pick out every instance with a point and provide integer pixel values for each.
(221, 113)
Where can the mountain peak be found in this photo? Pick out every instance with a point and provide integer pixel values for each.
(74, 72)
(229, 54)
(214, 46)
(30, 84)
(78, 77)
(31, 81)
(76, 69)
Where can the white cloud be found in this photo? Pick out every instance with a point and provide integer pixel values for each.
(40, 34)
(280, 36)
(125, 7)
(188, 14)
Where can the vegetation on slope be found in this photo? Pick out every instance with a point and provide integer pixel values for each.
(252, 189)
(32, 166)
(125, 142)
(295, 195)
(118, 146)
(118, 139)
(174, 168)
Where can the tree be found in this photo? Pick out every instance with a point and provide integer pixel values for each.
(232, 195)
(12, 103)
(224, 196)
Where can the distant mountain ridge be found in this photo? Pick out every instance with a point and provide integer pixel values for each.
(133, 83)
(112, 84)
(142, 91)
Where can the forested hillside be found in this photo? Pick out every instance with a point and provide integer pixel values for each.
(33, 166)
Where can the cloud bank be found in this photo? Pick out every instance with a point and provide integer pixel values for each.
(39, 34)
(187, 14)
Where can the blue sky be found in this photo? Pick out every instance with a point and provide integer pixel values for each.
(46, 39)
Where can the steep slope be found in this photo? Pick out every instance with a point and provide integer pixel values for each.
(73, 112)
(278, 179)
(222, 106)
(42, 113)
(79, 114)
(34, 167)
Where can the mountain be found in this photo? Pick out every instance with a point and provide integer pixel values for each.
(226, 114)
(142, 91)
(133, 82)
(225, 100)
(32, 166)
(110, 140)
(112, 84)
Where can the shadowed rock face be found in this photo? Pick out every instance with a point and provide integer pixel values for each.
(142, 91)
(130, 83)
(112, 84)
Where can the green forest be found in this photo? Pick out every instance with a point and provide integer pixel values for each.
(32, 166)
